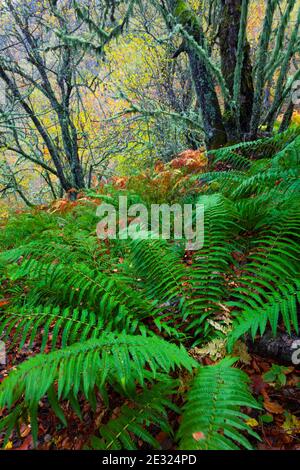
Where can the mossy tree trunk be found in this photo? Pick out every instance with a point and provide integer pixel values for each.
(215, 133)
(229, 39)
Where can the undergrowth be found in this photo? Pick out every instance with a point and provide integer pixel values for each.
(124, 315)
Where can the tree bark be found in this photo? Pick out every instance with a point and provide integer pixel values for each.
(229, 36)
(215, 133)
(286, 120)
(42, 131)
(281, 348)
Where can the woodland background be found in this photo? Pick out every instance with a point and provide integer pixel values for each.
(95, 89)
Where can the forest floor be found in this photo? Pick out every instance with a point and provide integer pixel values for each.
(277, 424)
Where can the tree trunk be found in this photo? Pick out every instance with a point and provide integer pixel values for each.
(40, 128)
(282, 348)
(229, 37)
(215, 133)
(286, 120)
(260, 75)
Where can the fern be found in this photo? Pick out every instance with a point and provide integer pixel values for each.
(97, 307)
(116, 359)
(211, 263)
(211, 416)
(145, 409)
(261, 181)
(281, 304)
(262, 148)
(79, 286)
(72, 325)
(160, 268)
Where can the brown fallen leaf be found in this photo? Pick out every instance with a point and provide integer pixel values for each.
(198, 436)
(273, 407)
(161, 437)
(25, 430)
(27, 444)
(258, 385)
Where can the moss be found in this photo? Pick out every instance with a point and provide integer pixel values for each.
(186, 16)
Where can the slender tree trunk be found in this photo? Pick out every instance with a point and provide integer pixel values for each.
(24, 198)
(286, 120)
(260, 77)
(47, 178)
(62, 108)
(277, 102)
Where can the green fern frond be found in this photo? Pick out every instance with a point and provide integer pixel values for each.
(160, 268)
(80, 286)
(234, 160)
(261, 148)
(259, 182)
(212, 419)
(259, 311)
(274, 252)
(66, 326)
(211, 263)
(118, 359)
(145, 409)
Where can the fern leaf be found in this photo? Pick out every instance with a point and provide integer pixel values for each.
(211, 417)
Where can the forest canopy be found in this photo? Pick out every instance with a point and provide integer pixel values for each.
(89, 89)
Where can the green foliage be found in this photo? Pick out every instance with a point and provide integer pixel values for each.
(276, 374)
(67, 326)
(122, 315)
(211, 417)
(148, 407)
(259, 309)
(261, 148)
(117, 359)
(212, 262)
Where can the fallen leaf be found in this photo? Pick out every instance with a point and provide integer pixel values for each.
(8, 446)
(198, 436)
(252, 422)
(27, 444)
(273, 407)
(258, 385)
(161, 437)
(240, 350)
(25, 430)
(291, 424)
